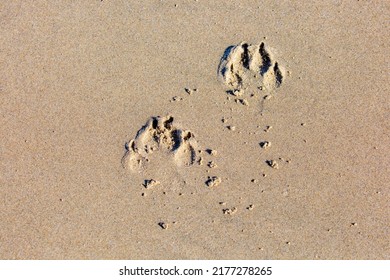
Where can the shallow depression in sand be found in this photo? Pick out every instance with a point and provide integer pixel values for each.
(160, 135)
(245, 64)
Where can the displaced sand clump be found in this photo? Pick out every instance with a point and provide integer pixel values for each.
(213, 181)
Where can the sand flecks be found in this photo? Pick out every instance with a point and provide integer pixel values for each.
(250, 207)
(229, 211)
(272, 163)
(164, 135)
(163, 225)
(236, 92)
(267, 128)
(150, 183)
(276, 163)
(231, 127)
(211, 164)
(176, 98)
(265, 144)
(190, 91)
(211, 152)
(213, 181)
(242, 101)
(243, 63)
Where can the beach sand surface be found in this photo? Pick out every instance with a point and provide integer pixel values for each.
(120, 139)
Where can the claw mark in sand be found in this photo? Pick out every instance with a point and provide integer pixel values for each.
(244, 63)
(160, 134)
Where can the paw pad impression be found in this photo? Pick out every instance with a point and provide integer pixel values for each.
(160, 134)
(245, 64)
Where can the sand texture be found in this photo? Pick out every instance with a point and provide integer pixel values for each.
(194, 129)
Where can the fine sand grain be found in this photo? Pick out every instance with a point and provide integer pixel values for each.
(143, 129)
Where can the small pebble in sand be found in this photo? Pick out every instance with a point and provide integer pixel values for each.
(163, 225)
(267, 128)
(150, 183)
(212, 164)
(265, 144)
(267, 97)
(213, 181)
(273, 164)
(231, 127)
(212, 152)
